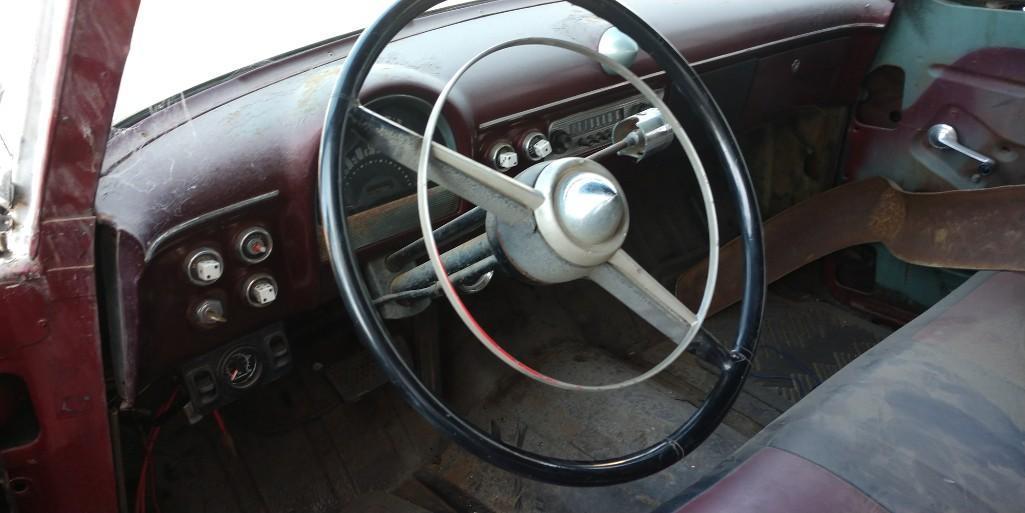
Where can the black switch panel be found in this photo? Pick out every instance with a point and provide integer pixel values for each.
(229, 372)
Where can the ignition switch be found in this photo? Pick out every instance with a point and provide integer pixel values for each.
(209, 313)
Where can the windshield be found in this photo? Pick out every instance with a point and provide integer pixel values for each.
(178, 44)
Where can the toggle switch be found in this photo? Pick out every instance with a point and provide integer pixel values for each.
(209, 313)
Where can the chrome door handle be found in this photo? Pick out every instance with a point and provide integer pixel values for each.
(943, 136)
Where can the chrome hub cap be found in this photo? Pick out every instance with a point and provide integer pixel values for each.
(589, 207)
(584, 217)
(581, 223)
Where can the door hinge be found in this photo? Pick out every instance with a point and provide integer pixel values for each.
(6, 225)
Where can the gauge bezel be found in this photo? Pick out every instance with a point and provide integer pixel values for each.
(525, 145)
(191, 259)
(241, 244)
(496, 150)
(248, 285)
(422, 107)
(254, 379)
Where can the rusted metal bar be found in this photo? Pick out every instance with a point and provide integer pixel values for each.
(461, 226)
(982, 229)
(453, 260)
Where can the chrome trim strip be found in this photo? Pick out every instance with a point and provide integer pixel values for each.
(580, 150)
(154, 246)
(789, 39)
(571, 99)
(581, 96)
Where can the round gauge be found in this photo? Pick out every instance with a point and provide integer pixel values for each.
(372, 178)
(241, 368)
(375, 179)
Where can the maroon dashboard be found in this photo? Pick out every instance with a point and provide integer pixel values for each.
(209, 227)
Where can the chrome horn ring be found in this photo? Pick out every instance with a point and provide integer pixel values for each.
(610, 269)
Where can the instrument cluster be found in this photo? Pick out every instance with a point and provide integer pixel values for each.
(204, 266)
(372, 178)
(378, 192)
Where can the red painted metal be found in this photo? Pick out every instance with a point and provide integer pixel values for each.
(49, 304)
(882, 310)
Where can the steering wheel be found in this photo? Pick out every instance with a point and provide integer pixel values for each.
(559, 220)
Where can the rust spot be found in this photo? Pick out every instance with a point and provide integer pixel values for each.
(312, 89)
(888, 215)
(962, 229)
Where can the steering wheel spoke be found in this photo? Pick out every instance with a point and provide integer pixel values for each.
(505, 197)
(628, 282)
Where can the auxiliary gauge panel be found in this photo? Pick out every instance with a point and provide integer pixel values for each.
(225, 374)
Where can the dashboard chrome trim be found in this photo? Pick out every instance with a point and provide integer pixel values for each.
(160, 240)
(622, 105)
(558, 103)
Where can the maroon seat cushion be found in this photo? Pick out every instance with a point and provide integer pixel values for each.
(775, 481)
(931, 419)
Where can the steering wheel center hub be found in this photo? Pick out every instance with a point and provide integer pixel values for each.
(585, 217)
(590, 207)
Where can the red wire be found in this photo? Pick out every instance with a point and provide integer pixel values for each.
(153, 486)
(140, 493)
(220, 422)
(151, 441)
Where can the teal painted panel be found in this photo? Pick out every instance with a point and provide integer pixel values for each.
(926, 32)
(923, 286)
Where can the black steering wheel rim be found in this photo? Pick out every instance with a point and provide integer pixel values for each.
(734, 365)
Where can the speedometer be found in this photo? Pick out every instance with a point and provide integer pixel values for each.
(372, 178)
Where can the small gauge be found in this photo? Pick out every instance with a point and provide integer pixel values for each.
(204, 266)
(255, 245)
(374, 180)
(241, 368)
(260, 290)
